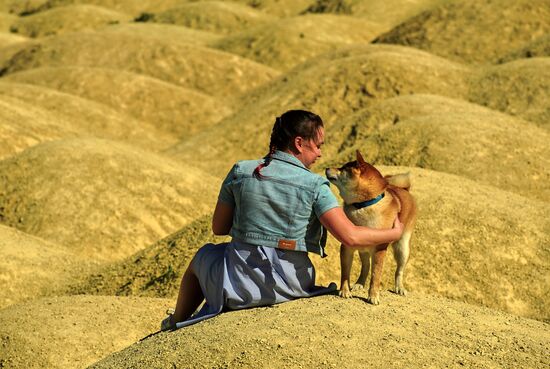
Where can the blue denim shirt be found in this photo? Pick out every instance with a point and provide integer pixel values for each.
(282, 210)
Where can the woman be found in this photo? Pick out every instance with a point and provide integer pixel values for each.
(276, 211)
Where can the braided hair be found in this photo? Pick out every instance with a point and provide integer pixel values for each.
(287, 127)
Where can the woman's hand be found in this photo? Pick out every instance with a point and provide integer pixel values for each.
(398, 227)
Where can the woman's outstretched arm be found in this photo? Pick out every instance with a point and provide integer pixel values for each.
(337, 223)
(222, 219)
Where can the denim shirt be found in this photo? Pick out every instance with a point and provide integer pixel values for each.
(281, 210)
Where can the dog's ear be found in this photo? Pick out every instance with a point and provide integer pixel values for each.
(360, 159)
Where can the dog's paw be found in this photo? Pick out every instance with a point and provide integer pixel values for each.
(357, 287)
(345, 293)
(401, 291)
(375, 300)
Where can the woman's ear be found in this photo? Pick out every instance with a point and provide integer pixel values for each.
(298, 144)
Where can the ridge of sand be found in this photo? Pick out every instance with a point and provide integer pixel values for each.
(73, 331)
(464, 30)
(468, 246)
(65, 19)
(288, 42)
(328, 331)
(31, 267)
(207, 70)
(539, 47)
(34, 114)
(130, 7)
(89, 195)
(7, 39)
(519, 88)
(6, 20)
(390, 12)
(154, 271)
(175, 110)
(213, 16)
(163, 31)
(332, 87)
(451, 136)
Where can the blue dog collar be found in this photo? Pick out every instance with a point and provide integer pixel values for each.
(364, 204)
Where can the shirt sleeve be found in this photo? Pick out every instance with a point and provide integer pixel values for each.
(226, 190)
(325, 200)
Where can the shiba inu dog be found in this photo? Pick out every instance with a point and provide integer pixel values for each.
(374, 201)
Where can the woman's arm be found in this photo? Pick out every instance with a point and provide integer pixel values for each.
(337, 223)
(222, 219)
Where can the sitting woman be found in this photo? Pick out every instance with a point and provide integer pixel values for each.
(276, 211)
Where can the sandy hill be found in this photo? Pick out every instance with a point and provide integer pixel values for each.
(67, 19)
(154, 271)
(7, 39)
(288, 42)
(207, 70)
(163, 32)
(170, 108)
(473, 255)
(388, 12)
(214, 16)
(75, 331)
(519, 88)
(474, 31)
(130, 7)
(6, 20)
(35, 114)
(417, 331)
(88, 194)
(24, 125)
(333, 85)
(449, 136)
(539, 47)
(31, 267)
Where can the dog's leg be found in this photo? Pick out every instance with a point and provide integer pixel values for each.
(401, 251)
(346, 259)
(376, 276)
(365, 268)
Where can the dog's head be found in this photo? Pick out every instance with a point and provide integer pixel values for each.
(357, 180)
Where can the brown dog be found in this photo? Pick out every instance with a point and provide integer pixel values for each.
(374, 201)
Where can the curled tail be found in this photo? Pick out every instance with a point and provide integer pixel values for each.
(402, 180)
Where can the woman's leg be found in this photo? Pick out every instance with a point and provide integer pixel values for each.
(190, 296)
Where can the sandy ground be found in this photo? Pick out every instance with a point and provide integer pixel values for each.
(116, 133)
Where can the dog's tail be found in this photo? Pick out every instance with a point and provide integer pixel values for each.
(402, 180)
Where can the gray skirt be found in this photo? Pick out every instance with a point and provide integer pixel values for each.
(239, 275)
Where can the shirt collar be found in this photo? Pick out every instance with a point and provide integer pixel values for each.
(288, 158)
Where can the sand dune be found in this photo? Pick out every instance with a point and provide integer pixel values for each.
(417, 331)
(130, 7)
(519, 88)
(116, 135)
(538, 48)
(214, 16)
(36, 114)
(75, 331)
(116, 199)
(24, 125)
(6, 20)
(31, 267)
(65, 19)
(288, 42)
(334, 86)
(388, 12)
(175, 110)
(465, 30)
(447, 259)
(163, 32)
(155, 271)
(464, 139)
(7, 39)
(221, 74)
